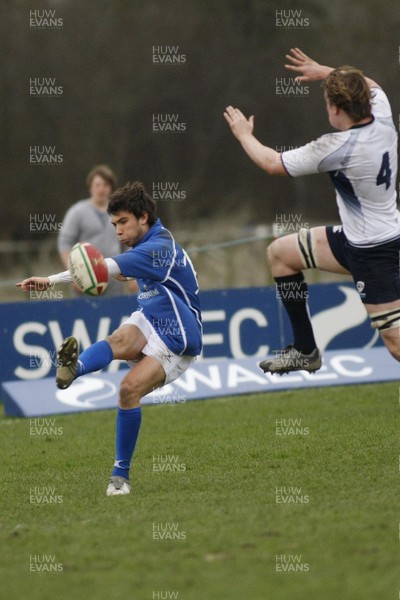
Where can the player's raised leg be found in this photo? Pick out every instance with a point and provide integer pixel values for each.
(288, 257)
(142, 379)
(123, 343)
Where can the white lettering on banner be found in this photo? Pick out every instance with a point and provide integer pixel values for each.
(27, 350)
(238, 374)
(236, 321)
(80, 332)
(56, 333)
(320, 375)
(45, 361)
(211, 339)
(337, 361)
(206, 379)
(104, 328)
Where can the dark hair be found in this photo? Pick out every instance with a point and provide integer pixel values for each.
(133, 198)
(105, 172)
(347, 88)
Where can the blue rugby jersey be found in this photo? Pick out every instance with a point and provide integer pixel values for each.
(168, 285)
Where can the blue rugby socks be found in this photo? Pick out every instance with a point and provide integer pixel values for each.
(94, 358)
(128, 426)
(293, 291)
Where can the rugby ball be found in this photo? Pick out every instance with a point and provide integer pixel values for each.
(88, 269)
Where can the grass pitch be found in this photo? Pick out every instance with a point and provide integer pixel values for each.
(272, 496)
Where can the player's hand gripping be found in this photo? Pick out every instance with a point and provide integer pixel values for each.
(310, 70)
(240, 126)
(38, 284)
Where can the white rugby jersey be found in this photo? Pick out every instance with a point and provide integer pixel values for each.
(362, 163)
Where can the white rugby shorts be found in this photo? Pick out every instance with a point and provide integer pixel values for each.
(173, 364)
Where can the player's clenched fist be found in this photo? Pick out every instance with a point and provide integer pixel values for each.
(240, 126)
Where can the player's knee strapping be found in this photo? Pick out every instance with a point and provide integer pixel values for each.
(386, 319)
(305, 240)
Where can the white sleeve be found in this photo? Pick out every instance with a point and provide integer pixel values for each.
(306, 160)
(65, 276)
(380, 104)
(112, 266)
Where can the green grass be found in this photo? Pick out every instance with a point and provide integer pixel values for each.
(223, 502)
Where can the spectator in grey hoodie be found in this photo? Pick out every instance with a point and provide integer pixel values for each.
(88, 221)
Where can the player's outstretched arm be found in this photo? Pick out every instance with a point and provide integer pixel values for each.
(309, 69)
(42, 283)
(34, 283)
(268, 159)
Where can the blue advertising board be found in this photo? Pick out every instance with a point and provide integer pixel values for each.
(238, 323)
(205, 379)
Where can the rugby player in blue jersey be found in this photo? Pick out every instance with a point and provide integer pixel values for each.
(160, 340)
(361, 160)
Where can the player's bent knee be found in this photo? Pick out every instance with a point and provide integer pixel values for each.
(118, 342)
(394, 348)
(129, 394)
(273, 253)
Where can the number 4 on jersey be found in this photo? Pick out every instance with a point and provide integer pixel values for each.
(385, 172)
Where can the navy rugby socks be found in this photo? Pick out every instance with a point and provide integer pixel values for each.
(293, 291)
(128, 426)
(94, 358)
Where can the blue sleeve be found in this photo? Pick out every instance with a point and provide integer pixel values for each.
(147, 261)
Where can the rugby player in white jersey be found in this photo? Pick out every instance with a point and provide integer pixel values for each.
(361, 160)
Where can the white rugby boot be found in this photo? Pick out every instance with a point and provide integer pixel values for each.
(118, 486)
